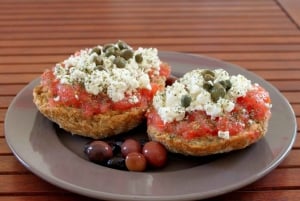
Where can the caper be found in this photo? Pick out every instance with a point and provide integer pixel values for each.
(186, 100)
(226, 84)
(207, 86)
(120, 62)
(139, 58)
(97, 50)
(126, 54)
(122, 45)
(98, 60)
(110, 51)
(218, 91)
(208, 75)
(100, 67)
(106, 46)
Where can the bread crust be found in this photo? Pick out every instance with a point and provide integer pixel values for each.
(97, 126)
(209, 144)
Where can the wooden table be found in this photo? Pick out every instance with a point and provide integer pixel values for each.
(261, 35)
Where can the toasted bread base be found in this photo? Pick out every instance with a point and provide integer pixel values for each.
(98, 126)
(209, 144)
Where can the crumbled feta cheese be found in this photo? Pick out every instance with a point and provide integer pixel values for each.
(168, 103)
(81, 68)
(224, 134)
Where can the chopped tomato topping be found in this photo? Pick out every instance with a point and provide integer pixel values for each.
(253, 107)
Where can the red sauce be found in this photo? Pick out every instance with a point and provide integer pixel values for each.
(253, 107)
(77, 97)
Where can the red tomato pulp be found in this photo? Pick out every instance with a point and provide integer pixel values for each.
(76, 96)
(255, 106)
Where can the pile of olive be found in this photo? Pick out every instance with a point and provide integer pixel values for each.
(217, 90)
(129, 155)
(121, 50)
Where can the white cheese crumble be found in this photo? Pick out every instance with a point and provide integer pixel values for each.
(81, 68)
(224, 134)
(169, 106)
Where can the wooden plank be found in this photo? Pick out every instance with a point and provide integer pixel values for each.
(11, 90)
(10, 165)
(27, 183)
(292, 8)
(274, 195)
(5, 101)
(142, 34)
(268, 65)
(154, 42)
(17, 78)
(205, 48)
(4, 149)
(278, 195)
(158, 27)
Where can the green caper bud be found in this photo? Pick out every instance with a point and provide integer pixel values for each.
(186, 100)
(97, 50)
(110, 51)
(207, 86)
(208, 75)
(226, 84)
(218, 91)
(100, 67)
(122, 45)
(126, 54)
(106, 46)
(120, 62)
(98, 60)
(139, 58)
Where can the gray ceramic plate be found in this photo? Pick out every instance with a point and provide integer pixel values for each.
(58, 158)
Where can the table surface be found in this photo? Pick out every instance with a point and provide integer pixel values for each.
(261, 36)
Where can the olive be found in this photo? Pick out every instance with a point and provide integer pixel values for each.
(98, 60)
(126, 54)
(139, 58)
(208, 75)
(122, 45)
(226, 84)
(186, 100)
(97, 50)
(99, 151)
(130, 145)
(116, 163)
(136, 161)
(218, 91)
(120, 62)
(116, 146)
(155, 154)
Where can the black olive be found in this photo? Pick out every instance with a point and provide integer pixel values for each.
(116, 163)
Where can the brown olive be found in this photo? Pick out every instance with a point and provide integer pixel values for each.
(97, 50)
(98, 60)
(207, 86)
(155, 154)
(106, 46)
(99, 151)
(130, 145)
(136, 161)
